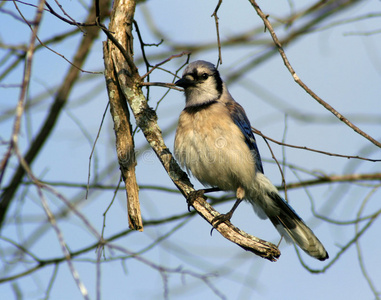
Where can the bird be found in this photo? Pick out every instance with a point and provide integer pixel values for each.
(214, 142)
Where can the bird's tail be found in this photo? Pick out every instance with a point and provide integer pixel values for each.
(290, 225)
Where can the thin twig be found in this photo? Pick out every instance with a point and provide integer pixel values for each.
(163, 84)
(62, 243)
(335, 178)
(55, 52)
(164, 270)
(93, 148)
(71, 21)
(142, 45)
(39, 186)
(327, 106)
(51, 282)
(284, 157)
(276, 161)
(256, 131)
(358, 247)
(218, 32)
(23, 92)
(165, 61)
(89, 248)
(109, 206)
(98, 276)
(67, 15)
(322, 179)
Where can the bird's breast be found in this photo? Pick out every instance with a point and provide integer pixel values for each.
(213, 149)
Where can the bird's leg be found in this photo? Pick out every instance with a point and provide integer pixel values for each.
(200, 193)
(226, 217)
(211, 190)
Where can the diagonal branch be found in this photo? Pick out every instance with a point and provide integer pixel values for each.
(301, 83)
(24, 87)
(256, 131)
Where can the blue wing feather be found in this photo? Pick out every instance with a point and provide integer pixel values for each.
(240, 119)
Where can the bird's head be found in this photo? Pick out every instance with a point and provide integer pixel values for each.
(201, 82)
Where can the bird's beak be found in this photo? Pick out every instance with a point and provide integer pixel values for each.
(184, 82)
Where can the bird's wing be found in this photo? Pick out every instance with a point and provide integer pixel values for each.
(240, 119)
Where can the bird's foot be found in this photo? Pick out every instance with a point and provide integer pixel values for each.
(193, 196)
(220, 219)
(224, 217)
(200, 193)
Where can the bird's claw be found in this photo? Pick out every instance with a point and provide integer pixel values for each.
(220, 219)
(193, 196)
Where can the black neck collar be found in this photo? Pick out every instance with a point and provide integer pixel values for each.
(198, 107)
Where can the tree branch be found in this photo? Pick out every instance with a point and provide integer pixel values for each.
(301, 83)
(335, 178)
(256, 131)
(125, 146)
(118, 54)
(21, 102)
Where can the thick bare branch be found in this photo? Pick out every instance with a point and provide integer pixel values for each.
(119, 69)
(124, 142)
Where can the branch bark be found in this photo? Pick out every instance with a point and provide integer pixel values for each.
(124, 142)
(130, 84)
(120, 72)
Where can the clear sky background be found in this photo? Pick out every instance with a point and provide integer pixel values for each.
(340, 63)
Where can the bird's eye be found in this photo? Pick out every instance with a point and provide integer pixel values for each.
(205, 76)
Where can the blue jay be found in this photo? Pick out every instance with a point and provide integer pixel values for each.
(214, 142)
